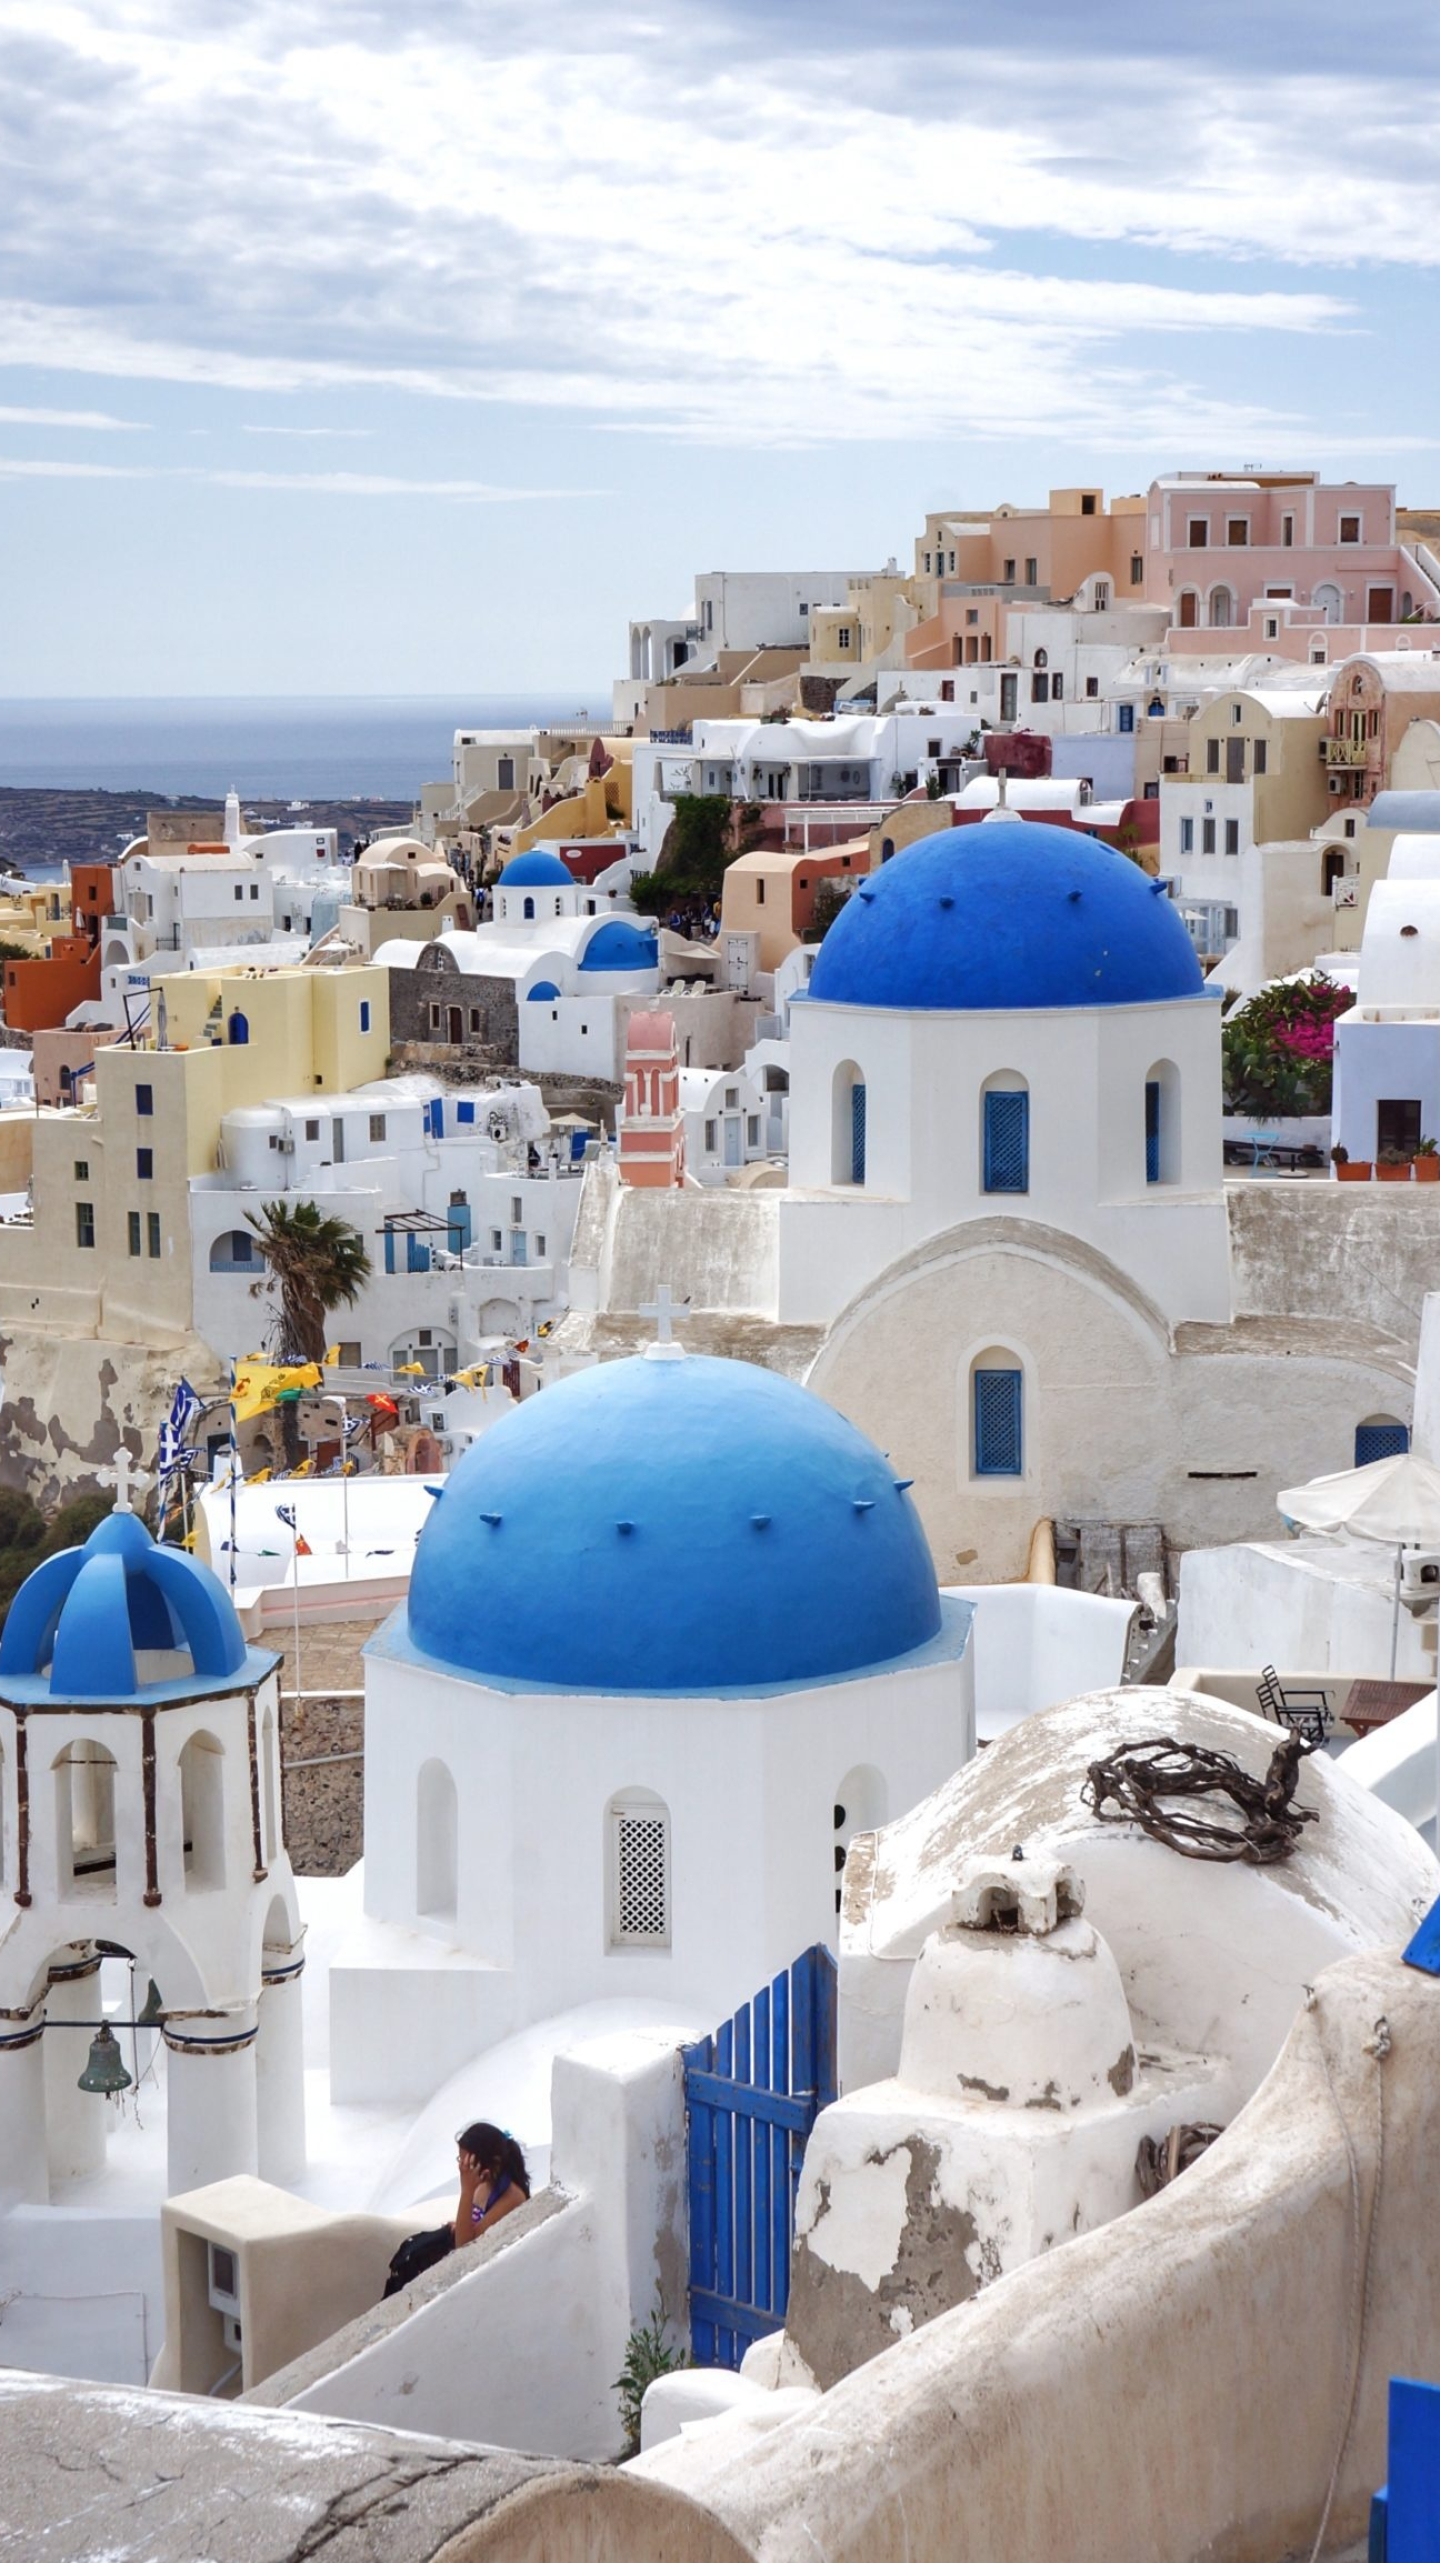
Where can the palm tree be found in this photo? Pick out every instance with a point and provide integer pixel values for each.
(315, 1264)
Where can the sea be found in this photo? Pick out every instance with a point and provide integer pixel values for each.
(291, 747)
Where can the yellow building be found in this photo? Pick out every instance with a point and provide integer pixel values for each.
(107, 1251)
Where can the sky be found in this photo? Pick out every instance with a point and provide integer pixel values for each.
(413, 346)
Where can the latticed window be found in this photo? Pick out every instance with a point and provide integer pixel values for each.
(857, 1134)
(999, 1450)
(641, 1876)
(1382, 1438)
(1007, 1142)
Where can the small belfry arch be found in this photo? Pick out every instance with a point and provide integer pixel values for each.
(1163, 1152)
(85, 1773)
(849, 1125)
(202, 1809)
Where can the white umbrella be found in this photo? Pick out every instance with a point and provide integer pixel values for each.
(1395, 1502)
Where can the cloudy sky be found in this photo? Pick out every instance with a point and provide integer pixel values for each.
(354, 346)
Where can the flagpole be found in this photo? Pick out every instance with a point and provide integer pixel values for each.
(234, 1472)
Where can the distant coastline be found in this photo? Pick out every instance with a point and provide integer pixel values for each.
(290, 748)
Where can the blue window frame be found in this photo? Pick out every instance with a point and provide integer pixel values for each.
(1125, 717)
(1380, 1441)
(999, 1423)
(145, 1100)
(364, 1014)
(1007, 1142)
(1152, 1130)
(857, 1133)
(144, 1165)
(465, 1112)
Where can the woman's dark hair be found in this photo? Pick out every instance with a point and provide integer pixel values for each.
(495, 2150)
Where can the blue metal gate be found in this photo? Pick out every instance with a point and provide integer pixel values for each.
(752, 2094)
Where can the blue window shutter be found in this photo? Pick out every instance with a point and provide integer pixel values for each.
(390, 1250)
(1380, 1441)
(1007, 1143)
(999, 1446)
(1152, 1131)
(857, 1133)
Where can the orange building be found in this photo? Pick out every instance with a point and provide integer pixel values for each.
(40, 994)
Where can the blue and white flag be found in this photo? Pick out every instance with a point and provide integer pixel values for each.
(287, 1515)
(184, 1407)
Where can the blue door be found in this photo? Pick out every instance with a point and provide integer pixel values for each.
(999, 1425)
(1007, 1142)
(1152, 1131)
(753, 2092)
(857, 1134)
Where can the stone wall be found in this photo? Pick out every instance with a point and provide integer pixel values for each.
(414, 991)
(324, 1797)
(1357, 1252)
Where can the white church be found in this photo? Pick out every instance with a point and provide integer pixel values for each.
(1004, 1249)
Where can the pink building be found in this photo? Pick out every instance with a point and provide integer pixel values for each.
(1293, 566)
(652, 1129)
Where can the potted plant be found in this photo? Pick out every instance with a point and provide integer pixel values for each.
(1348, 1169)
(1393, 1166)
(1427, 1162)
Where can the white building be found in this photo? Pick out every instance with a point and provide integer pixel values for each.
(727, 1125)
(709, 1620)
(269, 896)
(464, 1201)
(1387, 1047)
(143, 1821)
(733, 610)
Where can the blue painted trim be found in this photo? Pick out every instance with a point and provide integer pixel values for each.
(1424, 1949)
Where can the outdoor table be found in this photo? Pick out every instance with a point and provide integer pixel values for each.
(1373, 1704)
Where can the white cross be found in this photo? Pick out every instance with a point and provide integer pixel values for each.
(124, 1475)
(666, 1315)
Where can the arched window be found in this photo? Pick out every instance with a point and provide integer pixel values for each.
(1380, 1437)
(270, 1837)
(202, 1810)
(997, 1415)
(85, 1819)
(235, 1252)
(861, 1804)
(1162, 1123)
(237, 1030)
(1332, 869)
(528, 909)
(437, 1843)
(1005, 1133)
(637, 1868)
(847, 1149)
(1042, 658)
(1221, 604)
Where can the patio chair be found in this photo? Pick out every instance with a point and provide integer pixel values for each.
(1305, 1713)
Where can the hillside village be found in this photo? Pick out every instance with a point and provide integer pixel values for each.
(764, 1398)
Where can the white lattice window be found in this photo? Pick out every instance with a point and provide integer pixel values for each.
(639, 1867)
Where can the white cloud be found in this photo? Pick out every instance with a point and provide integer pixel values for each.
(676, 231)
(92, 418)
(327, 484)
(247, 429)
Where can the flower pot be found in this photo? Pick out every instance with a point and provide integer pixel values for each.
(1393, 1174)
(1358, 1171)
(1427, 1170)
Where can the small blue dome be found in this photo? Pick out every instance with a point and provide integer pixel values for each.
(536, 870)
(1008, 913)
(82, 1617)
(621, 946)
(686, 1525)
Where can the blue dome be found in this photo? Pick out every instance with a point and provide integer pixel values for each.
(535, 871)
(621, 946)
(684, 1525)
(1009, 913)
(81, 1618)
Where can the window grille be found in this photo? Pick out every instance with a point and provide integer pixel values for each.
(998, 1439)
(642, 1899)
(1152, 1131)
(1380, 1441)
(1007, 1142)
(857, 1134)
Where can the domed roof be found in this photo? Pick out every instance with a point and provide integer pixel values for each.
(83, 1619)
(1009, 913)
(619, 945)
(681, 1524)
(536, 870)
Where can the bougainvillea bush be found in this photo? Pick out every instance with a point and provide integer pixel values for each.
(1279, 1049)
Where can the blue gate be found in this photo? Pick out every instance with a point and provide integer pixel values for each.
(752, 2094)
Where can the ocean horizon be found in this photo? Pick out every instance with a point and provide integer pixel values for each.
(283, 747)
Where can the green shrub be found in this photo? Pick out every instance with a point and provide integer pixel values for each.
(648, 2354)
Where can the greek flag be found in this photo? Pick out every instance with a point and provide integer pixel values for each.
(287, 1515)
(184, 1407)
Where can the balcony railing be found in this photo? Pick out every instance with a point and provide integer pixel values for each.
(1348, 752)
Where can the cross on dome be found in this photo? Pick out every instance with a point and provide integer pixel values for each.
(124, 1474)
(667, 1314)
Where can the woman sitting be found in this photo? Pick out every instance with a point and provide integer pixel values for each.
(493, 2183)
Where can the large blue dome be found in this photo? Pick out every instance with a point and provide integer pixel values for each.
(84, 1620)
(680, 1524)
(1007, 913)
(536, 870)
